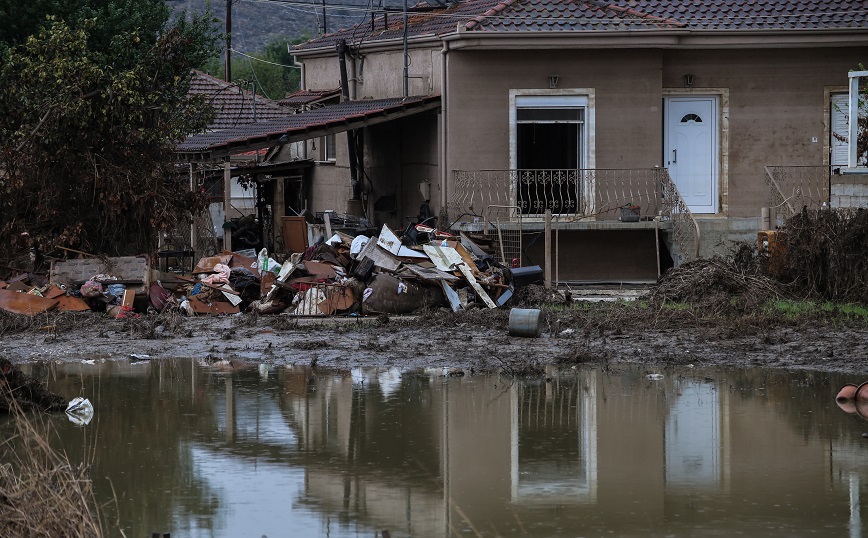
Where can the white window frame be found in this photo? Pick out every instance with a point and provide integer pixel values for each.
(545, 98)
(853, 156)
(328, 143)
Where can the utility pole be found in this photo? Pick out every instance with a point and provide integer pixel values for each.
(227, 68)
(325, 28)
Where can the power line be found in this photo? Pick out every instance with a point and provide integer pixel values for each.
(263, 61)
(434, 13)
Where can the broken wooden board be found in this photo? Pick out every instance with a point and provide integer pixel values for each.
(212, 308)
(231, 295)
(322, 270)
(475, 285)
(464, 254)
(337, 298)
(71, 304)
(19, 286)
(430, 275)
(206, 265)
(444, 258)
(24, 303)
(128, 298)
(242, 261)
(266, 282)
(286, 271)
(388, 241)
(451, 296)
(470, 245)
(381, 258)
(54, 292)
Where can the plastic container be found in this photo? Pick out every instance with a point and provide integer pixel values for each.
(525, 322)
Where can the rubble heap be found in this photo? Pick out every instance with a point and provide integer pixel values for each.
(343, 275)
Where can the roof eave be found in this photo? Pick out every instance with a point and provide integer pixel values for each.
(669, 38)
(423, 41)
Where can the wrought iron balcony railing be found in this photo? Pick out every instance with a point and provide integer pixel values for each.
(576, 195)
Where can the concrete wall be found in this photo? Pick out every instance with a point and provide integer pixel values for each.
(777, 104)
(849, 191)
(628, 111)
(378, 75)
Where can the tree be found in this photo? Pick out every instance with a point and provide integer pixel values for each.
(273, 81)
(89, 113)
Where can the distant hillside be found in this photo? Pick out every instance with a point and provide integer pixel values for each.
(254, 23)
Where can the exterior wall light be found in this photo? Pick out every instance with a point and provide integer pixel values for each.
(553, 81)
(688, 80)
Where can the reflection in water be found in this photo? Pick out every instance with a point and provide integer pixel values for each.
(298, 452)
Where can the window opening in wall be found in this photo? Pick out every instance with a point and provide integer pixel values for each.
(550, 151)
(858, 119)
(329, 148)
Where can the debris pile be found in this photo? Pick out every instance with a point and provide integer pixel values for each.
(344, 275)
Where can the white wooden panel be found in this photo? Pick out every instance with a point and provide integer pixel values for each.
(840, 125)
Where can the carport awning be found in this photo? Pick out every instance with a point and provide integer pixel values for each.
(303, 126)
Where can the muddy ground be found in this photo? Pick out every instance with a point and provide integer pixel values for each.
(476, 340)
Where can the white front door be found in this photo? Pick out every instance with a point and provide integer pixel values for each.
(691, 150)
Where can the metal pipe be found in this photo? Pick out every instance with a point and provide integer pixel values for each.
(406, 56)
(444, 172)
(351, 135)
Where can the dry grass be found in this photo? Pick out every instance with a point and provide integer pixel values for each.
(43, 494)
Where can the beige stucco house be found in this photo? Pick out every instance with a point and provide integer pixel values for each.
(694, 111)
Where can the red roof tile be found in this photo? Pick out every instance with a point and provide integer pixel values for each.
(601, 16)
(306, 97)
(233, 105)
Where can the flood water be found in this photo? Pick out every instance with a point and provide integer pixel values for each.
(287, 451)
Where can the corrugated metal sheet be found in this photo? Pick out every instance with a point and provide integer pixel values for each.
(333, 118)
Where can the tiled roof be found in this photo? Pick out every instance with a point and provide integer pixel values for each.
(234, 106)
(341, 116)
(601, 16)
(306, 97)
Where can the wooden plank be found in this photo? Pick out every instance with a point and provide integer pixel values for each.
(128, 298)
(444, 258)
(213, 308)
(19, 286)
(336, 298)
(294, 234)
(475, 285)
(430, 275)
(71, 304)
(320, 269)
(451, 296)
(24, 303)
(381, 258)
(389, 241)
(206, 265)
(54, 292)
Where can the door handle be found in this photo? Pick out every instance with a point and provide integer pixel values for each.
(674, 156)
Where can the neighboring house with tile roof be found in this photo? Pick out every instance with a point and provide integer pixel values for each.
(233, 105)
(572, 105)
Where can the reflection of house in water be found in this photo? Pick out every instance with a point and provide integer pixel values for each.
(428, 456)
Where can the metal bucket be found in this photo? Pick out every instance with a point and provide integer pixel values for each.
(525, 322)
